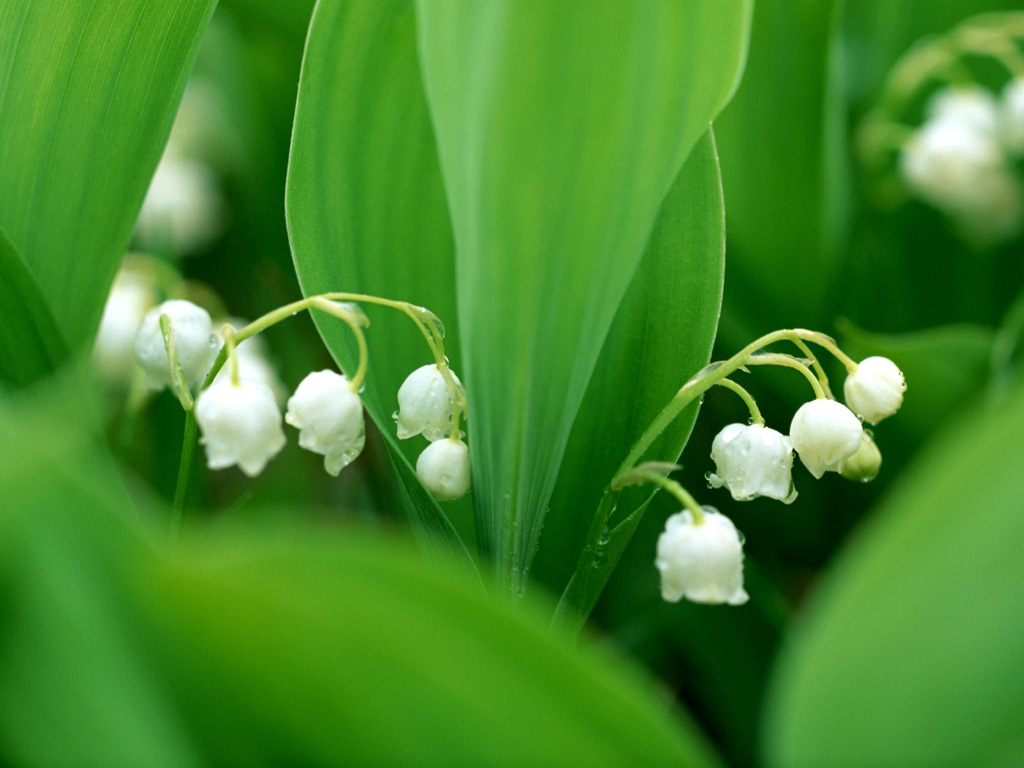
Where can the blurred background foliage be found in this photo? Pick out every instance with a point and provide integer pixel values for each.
(884, 621)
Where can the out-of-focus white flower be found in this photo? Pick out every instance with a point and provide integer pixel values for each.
(183, 209)
(957, 163)
(875, 390)
(425, 404)
(131, 297)
(329, 417)
(864, 465)
(444, 469)
(703, 563)
(753, 460)
(825, 433)
(240, 424)
(1011, 116)
(194, 342)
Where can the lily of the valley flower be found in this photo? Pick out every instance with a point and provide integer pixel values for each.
(425, 404)
(753, 460)
(864, 465)
(194, 343)
(702, 562)
(874, 391)
(825, 433)
(240, 424)
(329, 417)
(444, 469)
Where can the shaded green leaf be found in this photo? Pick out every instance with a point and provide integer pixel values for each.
(31, 346)
(366, 209)
(560, 134)
(910, 652)
(87, 92)
(662, 334)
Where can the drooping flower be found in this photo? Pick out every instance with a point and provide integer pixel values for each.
(874, 391)
(131, 296)
(444, 469)
(194, 342)
(824, 434)
(753, 460)
(329, 417)
(254, 363)
(701, 562)
(240, 424)
(425, 404)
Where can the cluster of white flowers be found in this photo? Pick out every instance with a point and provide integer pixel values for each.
(959, 160)
(702, 559)
(426, 407)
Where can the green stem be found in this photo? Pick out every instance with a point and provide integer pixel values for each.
(642, 475)
(755, 412)
(787, 361)
(188, 447)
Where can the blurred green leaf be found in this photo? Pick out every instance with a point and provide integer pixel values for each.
(366, 209)
(783, 149)
(272, 646)
(31, 346)
(560, 133)
(88, 92)
(910, 652)
(661, 336)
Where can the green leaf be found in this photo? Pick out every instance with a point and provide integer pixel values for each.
(88, 92)
(910, 652)
(662, 334)
(783, 153)
(367, 213)
(31, 346)
(560, 134)
(276, 646)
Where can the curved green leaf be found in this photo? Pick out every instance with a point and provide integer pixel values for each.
(31, 346)
(910, 653)
(662, 335)
(560, 131)
(88, 91)
(366, 209)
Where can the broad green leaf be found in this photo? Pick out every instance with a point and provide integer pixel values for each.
(366, 209)
(560, 133)
(272, 646)
(783, 152)
(910, 652)
(662, 335)
(87, 95)
(31, 346)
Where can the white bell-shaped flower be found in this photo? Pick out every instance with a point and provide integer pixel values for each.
(703, 563)
(824, 434)
(1011, 116)
(131, 297)
(194, 341)
(444, 469)
(968, 105)
(874, 391)
(240, 424)
(329, 417)
(254, 363)
(425, 404)
(753, 460)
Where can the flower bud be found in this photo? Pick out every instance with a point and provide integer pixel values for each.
(701, 562)
(863, 466)
(824, 434)
(753, 461)
(240, 424)
(875, 389)
(444, 469)
(194, 342)
(329, 417)
(425, 404)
